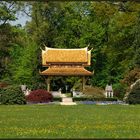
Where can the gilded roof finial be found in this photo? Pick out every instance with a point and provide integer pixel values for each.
(88, 45)
(44, 45)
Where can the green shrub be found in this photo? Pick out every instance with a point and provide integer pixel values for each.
(134, 97)
(134, 94)
(12, 95)
(94, 92)
(59, 99)
(119, 90)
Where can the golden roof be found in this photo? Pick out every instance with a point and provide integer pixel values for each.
(67, 56)
(65, 71)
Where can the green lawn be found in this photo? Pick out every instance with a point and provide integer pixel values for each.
(81, 121)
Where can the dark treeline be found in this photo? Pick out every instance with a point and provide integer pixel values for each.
(110, 29)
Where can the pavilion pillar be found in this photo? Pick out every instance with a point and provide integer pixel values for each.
(83, 83)
(48, 83)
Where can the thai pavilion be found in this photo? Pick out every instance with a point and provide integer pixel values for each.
(66, 62)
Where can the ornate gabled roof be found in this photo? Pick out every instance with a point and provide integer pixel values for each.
(65, 56)
(66, 71)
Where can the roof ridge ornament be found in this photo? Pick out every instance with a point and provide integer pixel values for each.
(88, 45)
(91, 49)
(46, 48)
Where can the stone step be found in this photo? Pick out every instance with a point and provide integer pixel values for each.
(66, 99)
(68, 103)
(63, 95)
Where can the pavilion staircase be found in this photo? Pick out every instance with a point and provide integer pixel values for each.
(67, 100)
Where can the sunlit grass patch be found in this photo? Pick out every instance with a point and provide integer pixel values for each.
(81, 121)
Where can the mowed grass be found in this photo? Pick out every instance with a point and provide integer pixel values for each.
(81, 121)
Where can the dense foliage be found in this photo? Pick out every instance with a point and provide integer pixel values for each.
(12, 95)
(119, 90)
(94, 92)
(134, 95)
(110, 29)
(39, 96)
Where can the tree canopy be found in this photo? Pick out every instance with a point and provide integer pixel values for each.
(110, 29)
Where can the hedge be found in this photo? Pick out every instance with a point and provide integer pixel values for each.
(59, 99)
(93, 99)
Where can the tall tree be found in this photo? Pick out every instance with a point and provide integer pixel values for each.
(9, 35)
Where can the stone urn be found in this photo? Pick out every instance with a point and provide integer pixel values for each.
(23, 87)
